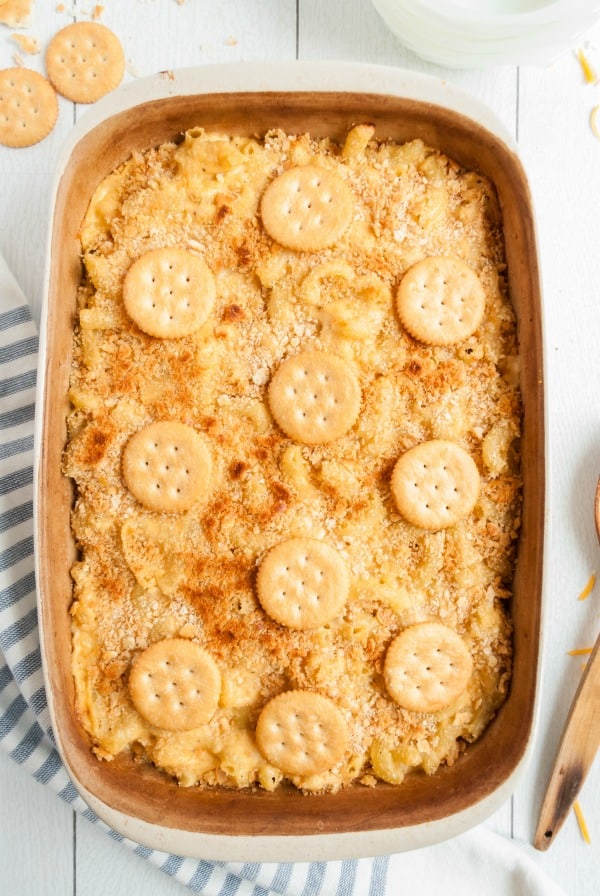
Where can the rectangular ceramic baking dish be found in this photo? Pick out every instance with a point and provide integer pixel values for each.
(324, 99)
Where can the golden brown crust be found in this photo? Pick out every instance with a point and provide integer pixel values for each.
(146, 576)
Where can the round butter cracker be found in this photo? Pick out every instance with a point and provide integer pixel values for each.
(302, 583)
(84, 61)
(427, 666)
(440, 301)
(302, 733)
(314, 397)
(169, 292)
(175, 684)
(435, 484)
(28, 107)
(167, 467)
(307, 208)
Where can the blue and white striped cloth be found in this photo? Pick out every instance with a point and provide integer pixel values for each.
(456, 867)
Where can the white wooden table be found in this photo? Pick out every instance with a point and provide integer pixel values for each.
(44, 848)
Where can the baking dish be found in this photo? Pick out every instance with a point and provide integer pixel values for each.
(324, 99)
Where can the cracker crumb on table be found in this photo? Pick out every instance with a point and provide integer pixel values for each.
(16, 13)
(146, 577)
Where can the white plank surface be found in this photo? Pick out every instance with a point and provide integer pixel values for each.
(36, 836)
(47, 850)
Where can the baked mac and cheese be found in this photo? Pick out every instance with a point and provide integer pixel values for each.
(295, 441)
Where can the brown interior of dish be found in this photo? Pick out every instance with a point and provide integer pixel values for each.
(145, 793)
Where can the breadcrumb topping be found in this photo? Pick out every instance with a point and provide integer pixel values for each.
(143, 576)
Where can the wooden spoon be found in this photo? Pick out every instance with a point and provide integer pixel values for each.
(578, 746)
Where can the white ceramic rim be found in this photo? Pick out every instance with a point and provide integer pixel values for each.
(263, 77)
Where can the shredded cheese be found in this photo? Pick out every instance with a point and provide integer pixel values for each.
(581, 822)
(595, 121)
(580, 651)
(589, 75)
(26, 44)
(592, 579)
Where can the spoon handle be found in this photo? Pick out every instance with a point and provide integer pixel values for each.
(576, 753)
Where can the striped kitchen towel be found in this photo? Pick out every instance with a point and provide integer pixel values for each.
(455, 867)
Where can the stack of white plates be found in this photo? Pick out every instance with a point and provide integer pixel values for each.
(471, 33)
